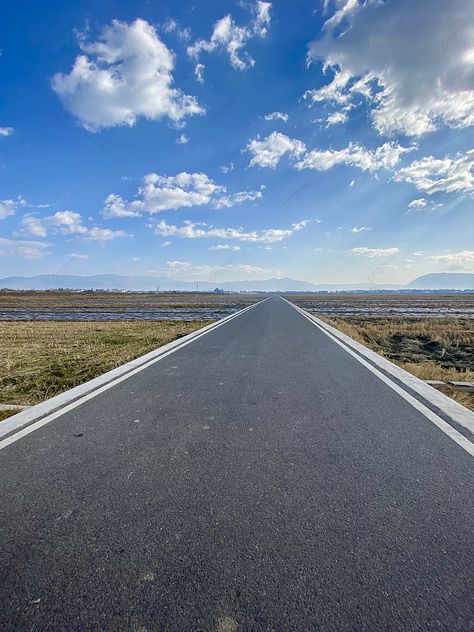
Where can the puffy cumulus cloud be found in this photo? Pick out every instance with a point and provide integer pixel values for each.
(462, 261)
(32, 226)
(432, 175)
(275, 116)
(10, 206)
(268, 151)
(415, 66)
(163, 193)
(228, 36)
(375, 252)
(185, 270)
(194, 230)
(387, 156)
(6, 131)
(67, 223)
(125, 74)
(22, 248)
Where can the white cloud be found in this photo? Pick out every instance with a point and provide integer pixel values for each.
(461, 261)
(433, 175)
(360, 229)
(227, 168)
(24, 249)
(6, 131)
(182, 139)
(186, 270)
(386, 156)
(116, 206)
(9, 207)
(172, 26)
(67, 223)
(336, 118)
(269, 151)
(415, 66)
(163, 193)
(199, 72)
(103, 234)
(228, 36)
(275, 116)
(126, 74)
(227, 201)
(76, 255)
(375, 252)
(417, 204)
(346, 7)
(165, 244)
(192, 230)
(33, 226)
(225, 247)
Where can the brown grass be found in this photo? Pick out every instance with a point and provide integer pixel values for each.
(430, 348)
(39, 359)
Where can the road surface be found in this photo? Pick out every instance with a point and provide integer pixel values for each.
(259, 478)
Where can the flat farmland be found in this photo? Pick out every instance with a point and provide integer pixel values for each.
(108, 306)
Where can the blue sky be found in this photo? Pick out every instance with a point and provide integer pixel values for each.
(326, 141)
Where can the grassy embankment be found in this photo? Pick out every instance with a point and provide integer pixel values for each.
(39, 359)
(430, 348)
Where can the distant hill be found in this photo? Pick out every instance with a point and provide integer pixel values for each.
(443, 281)
(122, 282)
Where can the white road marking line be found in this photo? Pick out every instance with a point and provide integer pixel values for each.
(65, 409)
(456, 436)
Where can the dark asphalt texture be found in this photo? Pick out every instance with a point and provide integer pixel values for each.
(271, 483)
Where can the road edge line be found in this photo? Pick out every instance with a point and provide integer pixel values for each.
(40, 414)
(443, 425)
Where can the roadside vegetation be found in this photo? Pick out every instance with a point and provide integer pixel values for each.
(430, 348)
(39, 359)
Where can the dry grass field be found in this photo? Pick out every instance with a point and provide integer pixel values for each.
(39, 359)
(430, 348)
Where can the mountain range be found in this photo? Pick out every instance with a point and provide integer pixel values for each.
(436, 281)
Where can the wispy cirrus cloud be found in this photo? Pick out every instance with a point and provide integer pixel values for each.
(23, 248)
(434, 175)
(230, 37)
(201, 230)
(374, 252)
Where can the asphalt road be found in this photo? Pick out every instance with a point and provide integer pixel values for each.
(259, 479)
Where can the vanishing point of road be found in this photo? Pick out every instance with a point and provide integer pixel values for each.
(257, 479)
